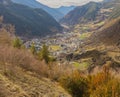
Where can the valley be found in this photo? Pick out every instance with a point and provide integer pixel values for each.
(77, 41)
(70, 51)
(73, 48)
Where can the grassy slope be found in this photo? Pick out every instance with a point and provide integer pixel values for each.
(110, 33)
(23, 83)
(21, 75)
(18, 77)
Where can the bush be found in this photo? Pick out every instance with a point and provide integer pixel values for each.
(17, 43)
(13, 57)
(5, 38)
(102, 84)
(76, 84)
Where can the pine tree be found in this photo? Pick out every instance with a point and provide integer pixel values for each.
(44, 54)
(17, 43)
(33, 49)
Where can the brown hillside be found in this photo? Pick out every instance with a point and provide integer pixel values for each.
(110, 33)
(22, 75)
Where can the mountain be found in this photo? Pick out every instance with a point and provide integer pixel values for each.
(81, 14)
(116, 10)
(35, 4)
(28, 21)
(110, 33)
(107, 0)
(115, 13)
(65, 9)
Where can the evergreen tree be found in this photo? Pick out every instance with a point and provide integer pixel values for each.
(33, 49)
(44, 54)
(17, 43)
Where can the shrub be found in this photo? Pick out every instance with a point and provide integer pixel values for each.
(104, 85)
(5, 38)
(22, 58)
(17, 43)
(76, 84)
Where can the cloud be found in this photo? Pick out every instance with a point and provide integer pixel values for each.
(58, 3)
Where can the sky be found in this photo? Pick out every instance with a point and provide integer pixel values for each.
(58, 3)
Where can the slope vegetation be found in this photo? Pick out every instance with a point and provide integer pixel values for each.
(110, 33)
(21, 74)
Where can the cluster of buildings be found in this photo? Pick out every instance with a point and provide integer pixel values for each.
(58, 44)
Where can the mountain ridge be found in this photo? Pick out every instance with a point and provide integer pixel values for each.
(35, 4)
(65, 9)
(23, 18)
(82, 14)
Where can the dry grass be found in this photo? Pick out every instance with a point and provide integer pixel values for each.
(5, 38)
(11, 57)
(22, 75)
(110, 23)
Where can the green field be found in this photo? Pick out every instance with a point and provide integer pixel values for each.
(85, 35)
(81, 66)
(55, 47)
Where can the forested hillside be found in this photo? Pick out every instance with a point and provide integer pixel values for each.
(27, 21)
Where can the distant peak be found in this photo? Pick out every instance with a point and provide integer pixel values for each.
(108, 0)
(66, 6)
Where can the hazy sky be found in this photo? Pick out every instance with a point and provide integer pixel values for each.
(58, 3)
